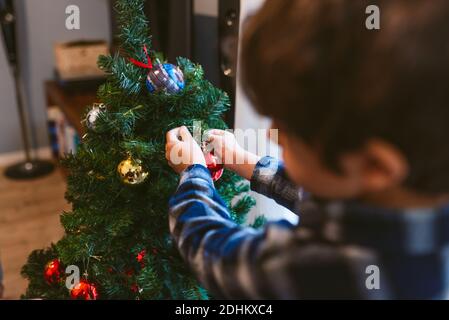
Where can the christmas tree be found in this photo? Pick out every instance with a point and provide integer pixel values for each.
(119, 182)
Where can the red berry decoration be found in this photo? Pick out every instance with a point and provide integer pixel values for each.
(215, 168)
(52, 273)
(84, 291)
(129, 272)
(140, 257)
(135, 288)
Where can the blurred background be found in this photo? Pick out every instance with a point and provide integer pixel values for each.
(47, 79)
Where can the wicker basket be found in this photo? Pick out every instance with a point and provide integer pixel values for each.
(78, 60)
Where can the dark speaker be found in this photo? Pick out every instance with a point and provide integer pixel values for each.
(215, 37)
(228, 39)
(7, 20)
(180, 29)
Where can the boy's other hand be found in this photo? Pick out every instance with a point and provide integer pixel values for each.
(225, 146)
(181, 150)
(230, 153)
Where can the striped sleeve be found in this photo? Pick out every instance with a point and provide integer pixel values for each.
(222, 254)
(270, 179)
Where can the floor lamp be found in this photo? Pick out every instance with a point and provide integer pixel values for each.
(30, 168)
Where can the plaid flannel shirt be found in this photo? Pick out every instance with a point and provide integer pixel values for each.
(338, 250)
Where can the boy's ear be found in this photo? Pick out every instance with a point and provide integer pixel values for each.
(384, 166)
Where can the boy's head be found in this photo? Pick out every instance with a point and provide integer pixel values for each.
(360, 111)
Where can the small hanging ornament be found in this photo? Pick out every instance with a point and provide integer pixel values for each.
(165, 77)
(53, 271)
(215, 168)
(131, 171)
(93, 115)
(162, 76)
(84, 290)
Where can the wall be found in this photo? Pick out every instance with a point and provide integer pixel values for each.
(247, 118)
(40, 24)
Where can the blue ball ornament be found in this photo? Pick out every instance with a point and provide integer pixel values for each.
(165, 77)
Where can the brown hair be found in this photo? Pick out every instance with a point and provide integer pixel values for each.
(315, 68)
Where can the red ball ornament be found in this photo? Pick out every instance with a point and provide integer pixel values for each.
(215, 168)
(84, 291)
(53, 270)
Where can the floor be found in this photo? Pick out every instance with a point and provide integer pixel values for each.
(29, 219)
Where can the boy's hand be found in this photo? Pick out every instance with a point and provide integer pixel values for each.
(225, 146)
(182, 151)
(231, 154)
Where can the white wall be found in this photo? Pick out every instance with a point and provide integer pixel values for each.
(247, 118)
(41, 23)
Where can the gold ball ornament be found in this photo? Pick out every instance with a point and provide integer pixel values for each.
(131, 171)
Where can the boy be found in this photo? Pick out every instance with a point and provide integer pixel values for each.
(363, 122)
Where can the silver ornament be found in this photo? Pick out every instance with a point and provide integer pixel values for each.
(93, 114)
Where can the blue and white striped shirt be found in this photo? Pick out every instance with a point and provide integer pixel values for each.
(338, 250)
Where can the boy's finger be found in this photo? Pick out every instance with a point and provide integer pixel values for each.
(167, 155)
(169, 145)
(185, 133)
(172, 135)
(215, 142)
(216, 132)
(214, 138)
